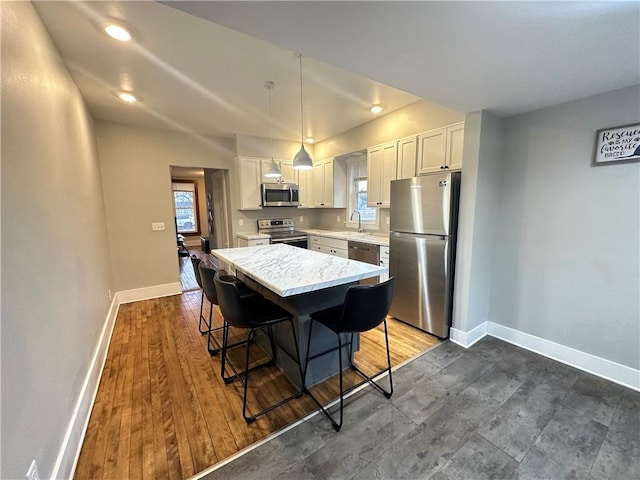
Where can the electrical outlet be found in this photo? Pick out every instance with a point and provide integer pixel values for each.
(301, 218)
(388, 220)
(241, 222)
(110, 296)
(32, 473)
(338, 218)
(157, 227)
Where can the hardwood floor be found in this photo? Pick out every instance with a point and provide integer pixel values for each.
(187, 276)
(162, 410)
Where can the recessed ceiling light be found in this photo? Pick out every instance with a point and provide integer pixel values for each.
(376, 108)
(117, 31)
(309, 140)
(126, 96)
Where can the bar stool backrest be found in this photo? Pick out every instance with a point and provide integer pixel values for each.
(206, 276)
(366, 306)
(230, 303)
(195, 261)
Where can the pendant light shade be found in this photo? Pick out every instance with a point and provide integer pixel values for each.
(273, 170)
(302, 160)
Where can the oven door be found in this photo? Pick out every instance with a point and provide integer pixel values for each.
(300, 242)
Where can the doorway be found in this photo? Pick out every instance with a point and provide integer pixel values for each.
(201, 216)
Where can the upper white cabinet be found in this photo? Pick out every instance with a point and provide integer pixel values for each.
(441, 149)
(304, 180)
(407, 154)
(249, 179)
(286, 168)
(382, 161)
(329, 182)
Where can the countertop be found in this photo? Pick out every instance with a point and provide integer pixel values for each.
(287, 270)
(375, 239)
(252, 236)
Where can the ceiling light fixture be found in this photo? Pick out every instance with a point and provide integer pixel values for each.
(126, 96)
(376, 108)
(117, 31)
(273, 170)
(302, 160)
(309, 140)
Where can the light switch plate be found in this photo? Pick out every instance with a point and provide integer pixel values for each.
(157, 226)
(241, 222)
(388, 220)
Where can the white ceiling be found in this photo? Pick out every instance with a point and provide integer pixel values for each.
(505, 57)
(196, 75)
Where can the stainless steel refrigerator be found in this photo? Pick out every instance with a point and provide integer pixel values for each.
(424, 216)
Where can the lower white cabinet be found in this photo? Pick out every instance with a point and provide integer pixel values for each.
(384, 262)
(252, 242)
(330, 246)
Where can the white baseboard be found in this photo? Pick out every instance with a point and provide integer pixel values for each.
(145, 293)
(601, 367)
(466, 339)
(70, 450)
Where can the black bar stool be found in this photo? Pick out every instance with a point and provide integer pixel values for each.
(364, 308)
(195, 262)
(252, 313)
(207, 273)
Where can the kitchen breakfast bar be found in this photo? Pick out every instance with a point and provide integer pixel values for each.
(300, 281)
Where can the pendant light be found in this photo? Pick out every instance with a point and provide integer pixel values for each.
(273, 170)
(302, 160)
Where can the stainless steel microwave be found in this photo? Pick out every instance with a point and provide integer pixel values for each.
(279, 195)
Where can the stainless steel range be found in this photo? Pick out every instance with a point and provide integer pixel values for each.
(282, 230)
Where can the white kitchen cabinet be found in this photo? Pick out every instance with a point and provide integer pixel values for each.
(330, 246)
(286, 168)
(455, 141)
(440, 149)
(329, 180)
(249, 179)
(314, 243)
(249, 241)
(384, 262)
(304, 179)
(382, 161)
(407, 154)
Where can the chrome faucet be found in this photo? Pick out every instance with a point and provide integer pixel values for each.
(360, 229)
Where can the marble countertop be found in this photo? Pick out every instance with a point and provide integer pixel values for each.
(287, 270)
(375, 239)
(253, 236)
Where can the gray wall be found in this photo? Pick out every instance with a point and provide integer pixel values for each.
(481, 173)
(55, 258)
(566, 264)
(135, 164)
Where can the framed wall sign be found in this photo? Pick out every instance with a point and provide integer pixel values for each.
(617, 145)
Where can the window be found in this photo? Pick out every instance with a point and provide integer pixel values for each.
(185, 204)
(358, 195)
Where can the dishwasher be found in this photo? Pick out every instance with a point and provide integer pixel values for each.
(367, 253)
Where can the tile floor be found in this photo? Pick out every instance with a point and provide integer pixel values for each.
(492, 411)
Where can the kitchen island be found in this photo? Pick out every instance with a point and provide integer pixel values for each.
(302, 282)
